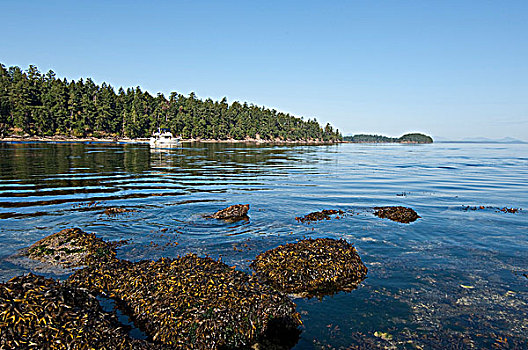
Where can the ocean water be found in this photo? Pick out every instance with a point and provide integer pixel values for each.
(455, 278)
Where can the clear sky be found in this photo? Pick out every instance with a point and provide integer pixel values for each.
(447, 68)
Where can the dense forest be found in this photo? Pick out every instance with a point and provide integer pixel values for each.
(32, 103)
(369, 138)
(407, 138)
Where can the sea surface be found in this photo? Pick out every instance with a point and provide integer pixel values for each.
(455, 278)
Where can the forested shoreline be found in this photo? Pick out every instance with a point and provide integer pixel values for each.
(407, 138)
(37, 104)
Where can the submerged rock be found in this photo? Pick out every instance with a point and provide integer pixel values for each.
(234, 212)
(399, 214)
(311, 267)
(195, 303)
(39, 313)
(510, 210)
(71, 247)
(319, 215)
(497, 209)
(115, 211)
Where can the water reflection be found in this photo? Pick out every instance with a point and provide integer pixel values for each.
(413, 288)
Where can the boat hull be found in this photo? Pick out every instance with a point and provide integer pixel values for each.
(162, 144)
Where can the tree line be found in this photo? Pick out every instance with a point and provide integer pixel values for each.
(40, 104)
(407, 138)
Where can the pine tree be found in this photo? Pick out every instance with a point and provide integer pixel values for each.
(5, 106)
(33, 103)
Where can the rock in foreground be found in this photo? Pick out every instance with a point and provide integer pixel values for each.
(194, 303)
(311, 267)
(399, 214)
(234, 212)
(71, 247)
(39, 313)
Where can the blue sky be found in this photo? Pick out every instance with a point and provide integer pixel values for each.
(454, 69)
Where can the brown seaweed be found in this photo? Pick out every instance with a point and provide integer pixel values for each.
(194, 303)
(39, 313)
(311, 267)
(232, 213)
(510, 210)
(71, 248)
(319, 215)
(497, 209)
(399, 214)
(116, 211)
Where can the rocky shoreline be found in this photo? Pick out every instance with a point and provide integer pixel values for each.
(70, 139)
(186, 302)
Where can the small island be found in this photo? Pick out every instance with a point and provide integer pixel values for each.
(407, 138)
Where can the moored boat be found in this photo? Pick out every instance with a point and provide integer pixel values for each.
(163, 138)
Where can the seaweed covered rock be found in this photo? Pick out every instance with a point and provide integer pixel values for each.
(194, 303)
(510, 210)
(319, 215)
(115, 211)
(39, 313)
(71, 247)
(311, 267)
(234, 212)
(399, 214)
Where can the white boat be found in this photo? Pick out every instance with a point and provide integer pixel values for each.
(163, 138)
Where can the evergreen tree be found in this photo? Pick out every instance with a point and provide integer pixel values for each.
(33, 103)
(5, 106)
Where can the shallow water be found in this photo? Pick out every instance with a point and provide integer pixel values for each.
(454, 278)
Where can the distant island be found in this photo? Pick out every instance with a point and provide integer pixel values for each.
(407, 138)
(35, 105)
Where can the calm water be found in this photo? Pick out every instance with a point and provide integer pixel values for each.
(452, 279)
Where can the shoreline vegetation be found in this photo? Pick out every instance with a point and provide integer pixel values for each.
(407, 138)
(91, 139)
(41, 105)
(37, 107)
(361, 138)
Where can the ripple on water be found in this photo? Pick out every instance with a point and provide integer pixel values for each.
(413, 288)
